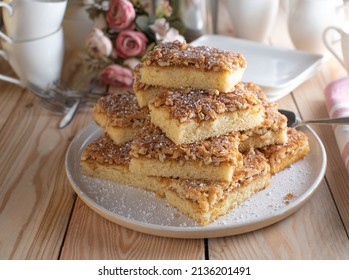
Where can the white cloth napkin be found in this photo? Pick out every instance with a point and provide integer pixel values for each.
(337, 103)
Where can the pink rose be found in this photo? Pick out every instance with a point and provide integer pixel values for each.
(98, 44)
(120, 14)
(130, 43)
(116, 75)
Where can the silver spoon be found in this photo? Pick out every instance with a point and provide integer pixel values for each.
(292, 120)
(68, 117)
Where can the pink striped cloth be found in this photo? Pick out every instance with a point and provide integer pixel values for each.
(337, 103)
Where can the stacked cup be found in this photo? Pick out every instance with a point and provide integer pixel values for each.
(32, 40)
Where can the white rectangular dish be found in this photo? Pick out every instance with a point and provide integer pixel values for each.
(278, 71)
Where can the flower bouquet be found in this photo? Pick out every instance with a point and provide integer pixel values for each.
(124, 31)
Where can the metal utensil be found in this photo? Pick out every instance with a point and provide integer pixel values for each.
(292, 120)
(66, 101)
(68, 117)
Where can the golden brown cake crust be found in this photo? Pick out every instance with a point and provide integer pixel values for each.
(121, 109)
(137, 83)
(206, 200)
(254, 163)
(295, 139)
(257, 91)
(203, 105)
(273, 121)
(104, 151)
(283, 155)
(152, 143)
(202, 57)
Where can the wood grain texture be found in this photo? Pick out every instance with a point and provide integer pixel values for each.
(313, 106)
(35, 196)
(300, 236)
(90, 236)
(9, 100)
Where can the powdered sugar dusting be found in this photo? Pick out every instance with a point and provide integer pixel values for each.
(133, 203)
(146, 207)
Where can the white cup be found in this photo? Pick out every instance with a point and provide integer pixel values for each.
(253, 20)
(344, 37)
(26, 20)
(37, 62)
(307, 20)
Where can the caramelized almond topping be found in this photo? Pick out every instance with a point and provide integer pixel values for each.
(295, 138)
(121, 109)
(152, 143)
(201, 57)
(137, 84)
(104, 151)
(207, 193)
(203, 105)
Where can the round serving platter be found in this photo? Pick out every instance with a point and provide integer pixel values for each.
(146, 212)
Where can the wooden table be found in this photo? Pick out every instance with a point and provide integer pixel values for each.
(42, 218)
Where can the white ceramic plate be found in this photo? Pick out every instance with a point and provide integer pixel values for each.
(143, 211)
(277, 70)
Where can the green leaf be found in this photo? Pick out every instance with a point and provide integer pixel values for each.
(142, 23)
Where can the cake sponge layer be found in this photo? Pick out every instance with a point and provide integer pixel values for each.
(105, 160)
(176, 64)
(120, 116)
(176, 77)
(204, 201)
(189, 115)
(281, 156)
(154, 154)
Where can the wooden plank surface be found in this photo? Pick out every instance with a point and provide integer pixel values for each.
(310, 100)
(35, 196)
(300, 236)
(90, 236)
(9, 94)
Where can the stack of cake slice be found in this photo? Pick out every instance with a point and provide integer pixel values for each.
(108, 157)
(192, 132)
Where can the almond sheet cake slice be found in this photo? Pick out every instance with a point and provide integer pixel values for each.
(154, 154)
(189, 115)
(176, 64)
(120, 116)
(281, 156)
(105, 160)
(144, 93)
(204, 201)
(273, 129)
